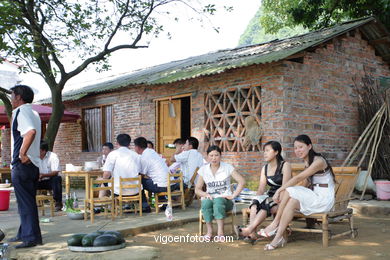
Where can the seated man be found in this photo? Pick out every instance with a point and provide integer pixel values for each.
(150, 144)
(179, 144)
(122, 162)
(48, 174)
(154, 170)
(106, 149)
(189, 159)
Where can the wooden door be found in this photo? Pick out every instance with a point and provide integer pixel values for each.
(168, 126)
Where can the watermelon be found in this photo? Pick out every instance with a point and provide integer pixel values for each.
(75, 240)
(105, 240)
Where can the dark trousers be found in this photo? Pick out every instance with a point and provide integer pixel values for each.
(148, 185)
(54, 184)
(24, 180)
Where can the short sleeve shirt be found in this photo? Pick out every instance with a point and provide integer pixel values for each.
(189, 161)
(154, 166)
(123, 163)
(28, 119)
(50, 163)
(218, 185)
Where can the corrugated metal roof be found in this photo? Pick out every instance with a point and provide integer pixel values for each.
(220, 61)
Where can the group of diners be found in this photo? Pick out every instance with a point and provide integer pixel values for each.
(126, 163)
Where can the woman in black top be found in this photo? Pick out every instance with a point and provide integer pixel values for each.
(274, 173)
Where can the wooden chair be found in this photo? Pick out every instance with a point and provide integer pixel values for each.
(119, 200)
(189, 193)
(202, 222)
(169, 193)
(228, 214)
(105, 201)
(41, 197)
(345, 183)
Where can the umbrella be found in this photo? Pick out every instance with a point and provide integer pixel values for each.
(44, 113)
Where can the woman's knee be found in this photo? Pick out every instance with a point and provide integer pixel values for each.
(207, 204)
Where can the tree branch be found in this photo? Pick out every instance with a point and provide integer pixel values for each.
(118, 25)
(6, 102)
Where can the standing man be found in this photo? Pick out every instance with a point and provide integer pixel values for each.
(48, 176)
(106, 149)
(154, 171)
(25, 139)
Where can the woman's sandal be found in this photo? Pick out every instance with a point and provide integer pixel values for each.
(281, 243)
(238, 231)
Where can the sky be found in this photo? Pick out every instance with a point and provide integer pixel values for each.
(188, 39)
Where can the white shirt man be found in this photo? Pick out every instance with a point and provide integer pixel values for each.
(153, 166)
(25, 140)
(189, 159)
(123, 163)
(49, 163)
(28, 119)
(48, 174)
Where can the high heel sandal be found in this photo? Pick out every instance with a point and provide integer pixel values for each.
(281, 243)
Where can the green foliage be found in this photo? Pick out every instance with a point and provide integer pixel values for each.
(255, 32)
(316, 14)
(51, 35)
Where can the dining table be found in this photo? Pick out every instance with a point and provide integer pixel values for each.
(87, 176)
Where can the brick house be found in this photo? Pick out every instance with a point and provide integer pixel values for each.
(300, 85)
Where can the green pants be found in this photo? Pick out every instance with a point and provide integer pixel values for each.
(215, 208)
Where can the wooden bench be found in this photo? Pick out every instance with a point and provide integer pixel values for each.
(345, 182)
(346, 178)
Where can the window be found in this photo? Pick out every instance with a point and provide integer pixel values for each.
(225, 114)
(97, 128)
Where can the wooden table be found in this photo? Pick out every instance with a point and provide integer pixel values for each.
(5, 171)
(87, 175)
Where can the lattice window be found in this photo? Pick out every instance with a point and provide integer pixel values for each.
(225, 114)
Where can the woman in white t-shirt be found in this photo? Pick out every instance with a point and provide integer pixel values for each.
(217, 199)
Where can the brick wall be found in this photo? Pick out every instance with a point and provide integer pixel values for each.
(314, 95)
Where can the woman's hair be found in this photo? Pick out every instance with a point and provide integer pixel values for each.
(306, 140)
(277, 147)
(214, 148)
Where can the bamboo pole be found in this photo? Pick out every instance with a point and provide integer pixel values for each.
(374, 150)
(362, 137)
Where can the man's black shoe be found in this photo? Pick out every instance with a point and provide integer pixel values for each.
(26, 244)
(146, 210)
(14, 239)
(163, 207)
(58, 206)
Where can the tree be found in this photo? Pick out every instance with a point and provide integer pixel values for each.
(255, 32)
(316, 14)
(46, 34)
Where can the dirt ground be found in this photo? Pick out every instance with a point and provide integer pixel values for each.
(372, 242)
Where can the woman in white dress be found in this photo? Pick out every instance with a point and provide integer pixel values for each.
(319, 197)
(217, 199)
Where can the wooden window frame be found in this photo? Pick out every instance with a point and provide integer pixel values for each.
(103, 117)
(225, 112)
